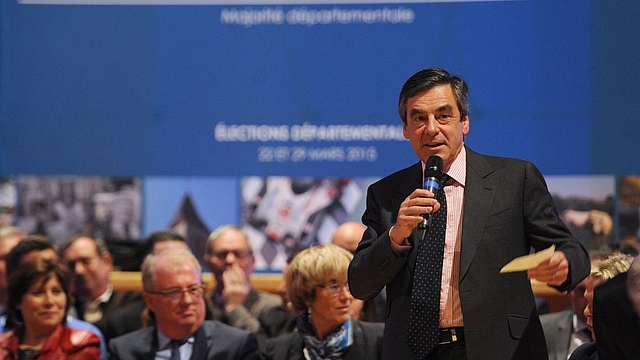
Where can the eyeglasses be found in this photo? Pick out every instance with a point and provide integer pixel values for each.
(175, 294)
(334, 288)
(239, 254)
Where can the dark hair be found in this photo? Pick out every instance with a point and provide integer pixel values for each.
(101, 247)
(158, 237)
(25, 276)
(427, 79)
(27, 245)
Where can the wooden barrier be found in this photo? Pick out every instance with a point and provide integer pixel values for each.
(132, 281)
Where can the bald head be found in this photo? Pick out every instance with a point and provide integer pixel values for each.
(348, 235)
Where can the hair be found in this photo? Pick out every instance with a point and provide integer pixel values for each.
(101, 246)
(7, 231)
(633, 284)
(312, 267)
(175, 256)
(427, 79)
(160, 236)
(615, 264)
(215, 235)
(28, 273)
(25, 246)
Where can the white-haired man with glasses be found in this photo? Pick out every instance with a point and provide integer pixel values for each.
(173, 291)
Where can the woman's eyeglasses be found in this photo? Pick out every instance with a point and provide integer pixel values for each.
(334, 288)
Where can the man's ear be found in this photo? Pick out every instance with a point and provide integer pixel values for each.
(107, 258)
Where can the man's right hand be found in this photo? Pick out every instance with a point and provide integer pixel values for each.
(420, 202)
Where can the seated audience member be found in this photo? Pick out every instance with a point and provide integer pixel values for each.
(134, 316)
(9, 237)
(280, 320)
(316, 282)
(27, 249)
(173, 291)
(601, 272)
(39, 299)
(348, 236)
(90, 264)
(565, 330)
(230, 259)
(615, 323)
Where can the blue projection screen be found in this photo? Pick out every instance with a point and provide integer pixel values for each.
(296, 88)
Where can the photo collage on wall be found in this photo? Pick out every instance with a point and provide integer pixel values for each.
(281, 215)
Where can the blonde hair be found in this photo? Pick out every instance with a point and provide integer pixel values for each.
(607, 269)
(311, 268)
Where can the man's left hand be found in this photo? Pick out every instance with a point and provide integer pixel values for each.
(553, 272)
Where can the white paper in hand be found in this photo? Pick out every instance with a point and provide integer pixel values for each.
(527, 262)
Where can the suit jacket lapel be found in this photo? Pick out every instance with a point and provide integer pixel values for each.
(200, 344)
(354, 352)
(147, 344)
(478, 197)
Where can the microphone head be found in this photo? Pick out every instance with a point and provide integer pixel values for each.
(434, 167)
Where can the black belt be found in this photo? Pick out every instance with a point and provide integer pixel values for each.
(451, 335)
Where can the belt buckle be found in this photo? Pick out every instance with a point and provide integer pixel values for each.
(454, 337)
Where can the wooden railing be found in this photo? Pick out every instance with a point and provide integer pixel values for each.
(132, 281)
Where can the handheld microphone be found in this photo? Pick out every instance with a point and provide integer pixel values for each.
(432, 176)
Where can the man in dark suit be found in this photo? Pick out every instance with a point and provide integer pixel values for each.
(565, 330)
(497, 209)
(173, 291)
(90, 264)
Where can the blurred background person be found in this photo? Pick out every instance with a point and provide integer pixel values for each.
(39, 298)
(616, 325)
(9, 237)
(316, 281)
(566, 330)
(230, 259)
(602, 271)
(348, 236)
(90, 264)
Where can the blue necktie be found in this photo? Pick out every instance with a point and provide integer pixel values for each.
(424, 317)
(175, 349)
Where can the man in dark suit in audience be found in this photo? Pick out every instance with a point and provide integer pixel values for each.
(565, 330)
(134, 315)
(173, 291)
(90, 264)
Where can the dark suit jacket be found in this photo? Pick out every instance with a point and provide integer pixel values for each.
(213, 340)
(367, 344)
(558, 328)
(118, 300)
(586, 351)
(507, 210)
(615, 322)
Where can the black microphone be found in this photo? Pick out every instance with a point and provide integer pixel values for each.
(432, 176)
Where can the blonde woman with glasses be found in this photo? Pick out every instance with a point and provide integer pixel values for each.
(316, 281)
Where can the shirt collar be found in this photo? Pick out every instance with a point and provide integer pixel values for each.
(106, 295)
(164, 342)
(458, 169)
